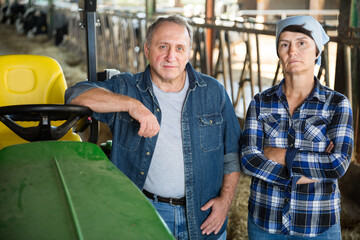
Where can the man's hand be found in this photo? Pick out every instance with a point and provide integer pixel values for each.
(149, 126)
(220, 206)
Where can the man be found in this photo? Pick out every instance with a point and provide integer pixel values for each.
(297, 143)
(175, 133)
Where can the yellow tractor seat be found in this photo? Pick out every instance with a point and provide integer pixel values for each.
(30, 79)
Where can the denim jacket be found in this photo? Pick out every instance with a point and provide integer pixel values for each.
(210, 136)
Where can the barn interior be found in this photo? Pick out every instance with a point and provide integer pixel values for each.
(234, 41)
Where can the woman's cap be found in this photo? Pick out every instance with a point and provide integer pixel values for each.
(309, 23)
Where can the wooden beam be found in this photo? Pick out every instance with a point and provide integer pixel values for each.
(355, 66)
(150, 8)
(210, 17)
(341, 83)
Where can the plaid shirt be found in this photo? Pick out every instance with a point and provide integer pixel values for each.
(276, 203)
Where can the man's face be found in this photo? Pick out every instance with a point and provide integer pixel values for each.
(297, 52)
(168, 52)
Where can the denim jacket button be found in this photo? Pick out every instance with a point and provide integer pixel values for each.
(148, 153)
(142, 173)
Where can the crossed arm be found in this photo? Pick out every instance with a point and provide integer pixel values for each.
(329, 164)
(278, 155)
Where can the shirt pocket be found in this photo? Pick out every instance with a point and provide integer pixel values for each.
(210, 132)
(315, 128)
(271, 124)
(128, 135)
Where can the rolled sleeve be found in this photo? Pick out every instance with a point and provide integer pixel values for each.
(231, 163)
(232, 135)
(77, 90)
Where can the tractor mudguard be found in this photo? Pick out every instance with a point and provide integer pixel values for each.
(70, 190)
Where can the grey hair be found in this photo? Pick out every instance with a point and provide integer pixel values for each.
(172, 19)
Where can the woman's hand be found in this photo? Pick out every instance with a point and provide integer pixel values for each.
(275, 154)
(305, 180)
(278, 155)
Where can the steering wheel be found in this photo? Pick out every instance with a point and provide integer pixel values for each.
(44, 114)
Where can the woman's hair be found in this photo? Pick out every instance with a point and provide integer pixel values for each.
(172, 19)
(300, 29)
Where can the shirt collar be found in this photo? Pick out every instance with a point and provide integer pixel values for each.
(318, 92)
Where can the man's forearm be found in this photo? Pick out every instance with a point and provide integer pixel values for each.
(229, 186)
(101, 100)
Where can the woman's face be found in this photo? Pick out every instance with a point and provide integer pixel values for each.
(297, 52)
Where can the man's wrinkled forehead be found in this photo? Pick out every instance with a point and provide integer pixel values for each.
(167, 37)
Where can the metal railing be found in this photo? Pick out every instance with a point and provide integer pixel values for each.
(121, 38)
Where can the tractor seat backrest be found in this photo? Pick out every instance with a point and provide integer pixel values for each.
(30, 79)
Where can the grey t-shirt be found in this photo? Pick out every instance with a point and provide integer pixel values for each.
(166, 174)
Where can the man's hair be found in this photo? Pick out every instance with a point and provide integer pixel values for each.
(300, 29)
(172, 19)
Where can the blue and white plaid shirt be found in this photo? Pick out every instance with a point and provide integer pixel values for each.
(276, 203)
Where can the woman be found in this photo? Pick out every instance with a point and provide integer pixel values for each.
(297, 143)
